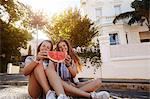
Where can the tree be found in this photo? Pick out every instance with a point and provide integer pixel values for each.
(70, 25)
(38, 18)
(140, 14)
(12, 39)
(37, 21)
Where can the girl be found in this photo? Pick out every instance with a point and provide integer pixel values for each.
(68, 70)
(36, 68)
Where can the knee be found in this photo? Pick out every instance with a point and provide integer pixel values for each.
(34, 94)
(38, 67)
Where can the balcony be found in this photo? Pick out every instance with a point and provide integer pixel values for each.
(105, 20)
(130, 51)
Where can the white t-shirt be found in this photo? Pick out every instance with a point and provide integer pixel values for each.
(29, 59)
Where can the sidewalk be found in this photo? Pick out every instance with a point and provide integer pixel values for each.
(14, 86)
(14, 92)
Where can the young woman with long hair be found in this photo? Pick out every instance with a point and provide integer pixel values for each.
(36, 68)
(68, 69)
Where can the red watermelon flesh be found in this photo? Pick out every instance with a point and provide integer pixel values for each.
(56, 56)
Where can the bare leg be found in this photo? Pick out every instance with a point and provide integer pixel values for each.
(41, 78)
(55, 80)
(70, 90)
(90, 86)
(34, 88)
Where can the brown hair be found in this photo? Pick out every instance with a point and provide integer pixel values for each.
(38, 48)
(71, 53)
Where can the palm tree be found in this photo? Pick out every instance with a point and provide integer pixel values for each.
(140, 14)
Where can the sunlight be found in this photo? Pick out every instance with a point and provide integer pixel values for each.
(52, 6)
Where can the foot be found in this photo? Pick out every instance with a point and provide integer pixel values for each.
(61, 96)
(50, 95)
(100, 95)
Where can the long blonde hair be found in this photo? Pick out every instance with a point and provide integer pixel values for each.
(72, 54)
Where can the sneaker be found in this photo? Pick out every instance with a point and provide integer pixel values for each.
(61, 96)
(100, 95)
(50, 95)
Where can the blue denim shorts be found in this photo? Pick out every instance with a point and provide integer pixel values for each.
(46, 63)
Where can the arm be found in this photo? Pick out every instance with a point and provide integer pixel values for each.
(29, 68)
(31, 63)
(72, 69)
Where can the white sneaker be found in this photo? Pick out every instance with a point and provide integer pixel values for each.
(100, 95)
(50, 95)
(61, 96)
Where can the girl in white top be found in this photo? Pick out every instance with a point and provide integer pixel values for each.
(36, 68)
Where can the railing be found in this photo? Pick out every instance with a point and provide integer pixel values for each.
(105, 19)
(141, 50)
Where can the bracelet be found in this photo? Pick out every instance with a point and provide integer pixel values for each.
(68, 65)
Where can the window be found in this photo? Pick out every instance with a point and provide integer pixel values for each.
(114, 39)
(98, 12)
(117, 9)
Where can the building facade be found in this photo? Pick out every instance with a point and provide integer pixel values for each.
(125, 49)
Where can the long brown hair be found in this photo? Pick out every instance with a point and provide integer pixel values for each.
(71, 53)
(38, 48)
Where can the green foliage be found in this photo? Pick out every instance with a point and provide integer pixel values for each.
(141, 13)
(70, 25)
(12, 39)
(94, 58)
(15, 10)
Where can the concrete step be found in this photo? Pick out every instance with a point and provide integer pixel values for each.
(13, 92)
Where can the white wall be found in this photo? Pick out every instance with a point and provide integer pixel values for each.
(129, 69)
(131, 66)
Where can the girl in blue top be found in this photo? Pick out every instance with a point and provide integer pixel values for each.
(67, 70)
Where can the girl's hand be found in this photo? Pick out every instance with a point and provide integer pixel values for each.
(42, 55)
(68, 61)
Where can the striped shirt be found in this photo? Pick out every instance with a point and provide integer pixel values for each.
(63, 72)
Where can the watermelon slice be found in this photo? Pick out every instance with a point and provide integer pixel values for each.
(56, 56)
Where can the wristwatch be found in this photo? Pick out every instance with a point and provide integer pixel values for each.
(69, 64)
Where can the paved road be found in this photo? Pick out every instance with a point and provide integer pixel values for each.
(15, 92)
(19, 89)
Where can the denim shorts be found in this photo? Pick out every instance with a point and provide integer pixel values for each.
(46, 63)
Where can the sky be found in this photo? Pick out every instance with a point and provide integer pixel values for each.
(51, 7)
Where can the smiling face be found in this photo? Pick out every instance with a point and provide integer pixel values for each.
(46, 46)
(63, 47)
